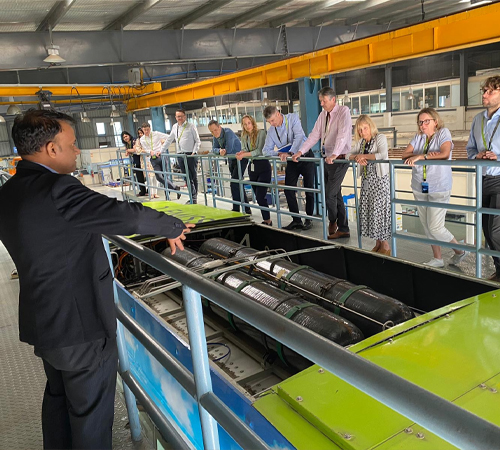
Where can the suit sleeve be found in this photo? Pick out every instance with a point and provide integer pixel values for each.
(92, 212)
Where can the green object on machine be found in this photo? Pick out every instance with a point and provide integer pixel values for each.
(452, 352)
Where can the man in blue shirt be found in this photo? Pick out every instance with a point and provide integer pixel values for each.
(484, 143)
(287, 130)
(225, 142)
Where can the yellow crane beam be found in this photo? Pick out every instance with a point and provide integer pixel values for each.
(84, 91)
(457, 31)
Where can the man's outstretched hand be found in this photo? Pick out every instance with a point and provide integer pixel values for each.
(177, 242)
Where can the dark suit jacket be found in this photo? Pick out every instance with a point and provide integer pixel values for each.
(51, 225)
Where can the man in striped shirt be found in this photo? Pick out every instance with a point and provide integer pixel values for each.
(334, 129)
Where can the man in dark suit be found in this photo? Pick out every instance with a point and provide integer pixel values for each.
(52, 227)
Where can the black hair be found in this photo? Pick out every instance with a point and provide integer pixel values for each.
(129, 144)
(36, 128)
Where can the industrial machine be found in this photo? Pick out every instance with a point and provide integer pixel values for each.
(436, 329)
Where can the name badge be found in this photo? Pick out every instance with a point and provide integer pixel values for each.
(323, 151)
(425, 187)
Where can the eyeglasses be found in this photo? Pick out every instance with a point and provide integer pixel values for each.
(424, 122)
(486, 91)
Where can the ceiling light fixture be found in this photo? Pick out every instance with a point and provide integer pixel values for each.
(114, 111)
(204, 110)
(83, 117)
(134, 118)
(346, 96)
(410, 94)
(2, 119)
(53, 52)
(265, 101)
(13, 110)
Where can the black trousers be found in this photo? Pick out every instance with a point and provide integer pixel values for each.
(192, 166)
(158, 167)
(292, 173)
(260, 171)
(334, 175)
(235, 187)
(491, 224)
(78, 403)
(139, 175)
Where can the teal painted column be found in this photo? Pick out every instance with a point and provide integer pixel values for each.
(158, 119)
(309, 105)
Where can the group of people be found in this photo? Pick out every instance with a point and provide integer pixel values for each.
(333, 130)
(154, 144)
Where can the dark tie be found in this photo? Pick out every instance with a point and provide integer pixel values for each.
(327, 120)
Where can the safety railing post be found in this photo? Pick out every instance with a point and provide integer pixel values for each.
(201, 368)
(479, 219)
(124, 365)
(276, 192)
(356, 202)
(392, 182)
(146, 174)
(204, 181)
(188, 179)
(241, 187)
(321, 186)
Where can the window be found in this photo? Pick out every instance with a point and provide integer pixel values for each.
(430, 97)
(396, 100)
(168, 125)
(374, 104)
(444, 96)
(355, 106)
(418, 102)
(383, 103)
(365, 104)
(101, 129)
(117, 131)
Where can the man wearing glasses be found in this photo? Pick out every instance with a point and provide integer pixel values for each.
(484, 143)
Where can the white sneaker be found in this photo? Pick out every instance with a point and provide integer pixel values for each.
(435, 263)
(457, 257)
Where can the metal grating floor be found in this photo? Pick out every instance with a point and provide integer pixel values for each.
(22, 380)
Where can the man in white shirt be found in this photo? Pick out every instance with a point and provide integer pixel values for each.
(152, 143)
(187, 142)
(334, 129)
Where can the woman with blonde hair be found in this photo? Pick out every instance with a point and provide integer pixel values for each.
(374, 200)
(252, 142)
(432, 183)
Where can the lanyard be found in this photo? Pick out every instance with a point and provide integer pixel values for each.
(488, 147)
(365, 150)
(426, 147)
(182, 132)
(151, 141)
(286, 127)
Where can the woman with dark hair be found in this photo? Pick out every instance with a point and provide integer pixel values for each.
(252, 142)
(130, 145)
(432, 183)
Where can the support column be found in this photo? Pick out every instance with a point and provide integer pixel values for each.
(309, 104)
(158, 119)
(388, 88)
(132, 128)
(464, 79)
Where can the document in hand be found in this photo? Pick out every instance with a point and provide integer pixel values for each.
(285, 149)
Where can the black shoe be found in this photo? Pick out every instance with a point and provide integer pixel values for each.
(248, 211)
(178, 188)
(307, 224)
(270, 224)
(294, 226)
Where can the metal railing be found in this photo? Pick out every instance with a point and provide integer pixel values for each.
(448, 421)
(218, 180)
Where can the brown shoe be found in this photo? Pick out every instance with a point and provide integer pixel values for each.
(376, 248)
(495, 278)
(384, 252)
(339, 234)
(332, 228)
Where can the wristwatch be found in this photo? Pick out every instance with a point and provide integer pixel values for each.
(425, 157)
